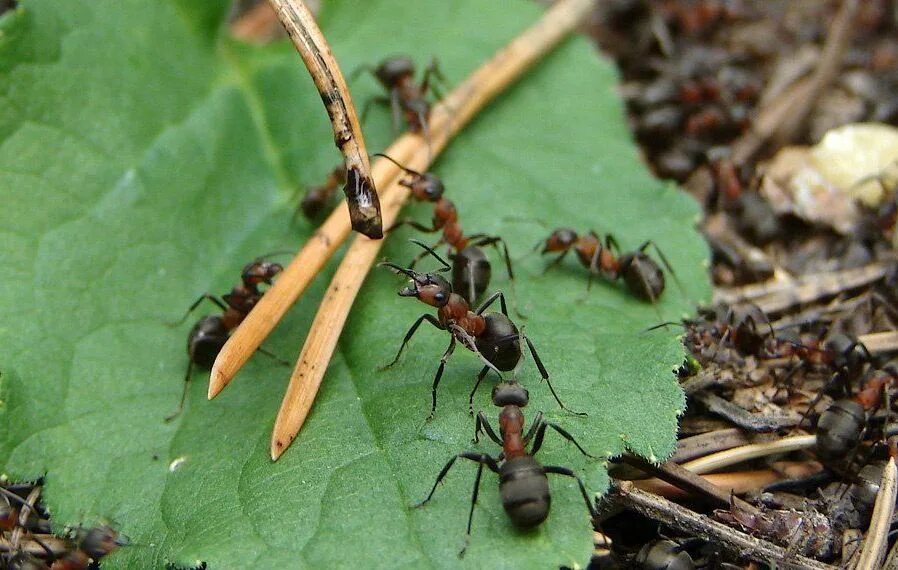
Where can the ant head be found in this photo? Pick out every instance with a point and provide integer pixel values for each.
(643, 276)
(429, 288)
(560, 240)
(260, 272)
(510, 394)
(427, 187)
(100, 541)
(393, 69)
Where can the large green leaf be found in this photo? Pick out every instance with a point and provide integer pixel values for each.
(144, 158)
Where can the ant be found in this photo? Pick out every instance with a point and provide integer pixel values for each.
(843, 424)
(210, 333)
(397, 76)
(492, 336)
(318, 198)
(641, 273)
(471, 270)
(523, 484)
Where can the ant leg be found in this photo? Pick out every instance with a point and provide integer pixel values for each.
(367, 106)
(492, 299)
(412, 223)
(396, 110)
(555, 470)
(218, 302)
(183, 394)
(545, 376)
(430, 319)
(480, 377)
(483, 424)
(555, 261)
(481, 458)
(494, 241)
(541, 432)
(666, 264)
(436, 379)
(433, 68)
(273, 356)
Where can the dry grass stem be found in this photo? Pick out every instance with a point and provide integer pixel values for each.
(446, 119)
(361, 196)
(881, 342)
(723, 459)
(877, 540)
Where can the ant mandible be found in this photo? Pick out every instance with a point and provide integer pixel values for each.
(492, 336)
(523, 484)
(210, 333)
(471, 270)
(397, 76)
(641, 273)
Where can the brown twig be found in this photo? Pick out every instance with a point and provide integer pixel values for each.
(684, 479)
(446, 119)
(690, 448)
(736, 483)
(361, 196)
(782, 119)
(736, 543)
(779, 296)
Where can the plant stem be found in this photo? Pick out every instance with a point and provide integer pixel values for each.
(361, 196)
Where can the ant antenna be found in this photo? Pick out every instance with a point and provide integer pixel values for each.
(665, 324)
(446, 266)
(413, 275)
(405, 168)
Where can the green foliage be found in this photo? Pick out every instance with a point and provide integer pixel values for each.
(144, 158)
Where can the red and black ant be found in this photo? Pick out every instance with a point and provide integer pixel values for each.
(523, 484)
(406, 98)
(640, 272)
(841, 427)
(471, 269)
(317, 199)
(492, 336)
(210, 333)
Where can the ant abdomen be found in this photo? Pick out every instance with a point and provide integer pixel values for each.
(643, 276)
(471, 273)
(500, 342)
(839, 429)
(206, 339)
(524, 488)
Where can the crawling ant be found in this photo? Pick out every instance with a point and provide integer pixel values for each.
(523, 484)
(471, 270)
(406, 98)
(843, 424)
(210, 333)
(640, 272)
(492, 336)
(317, 199)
